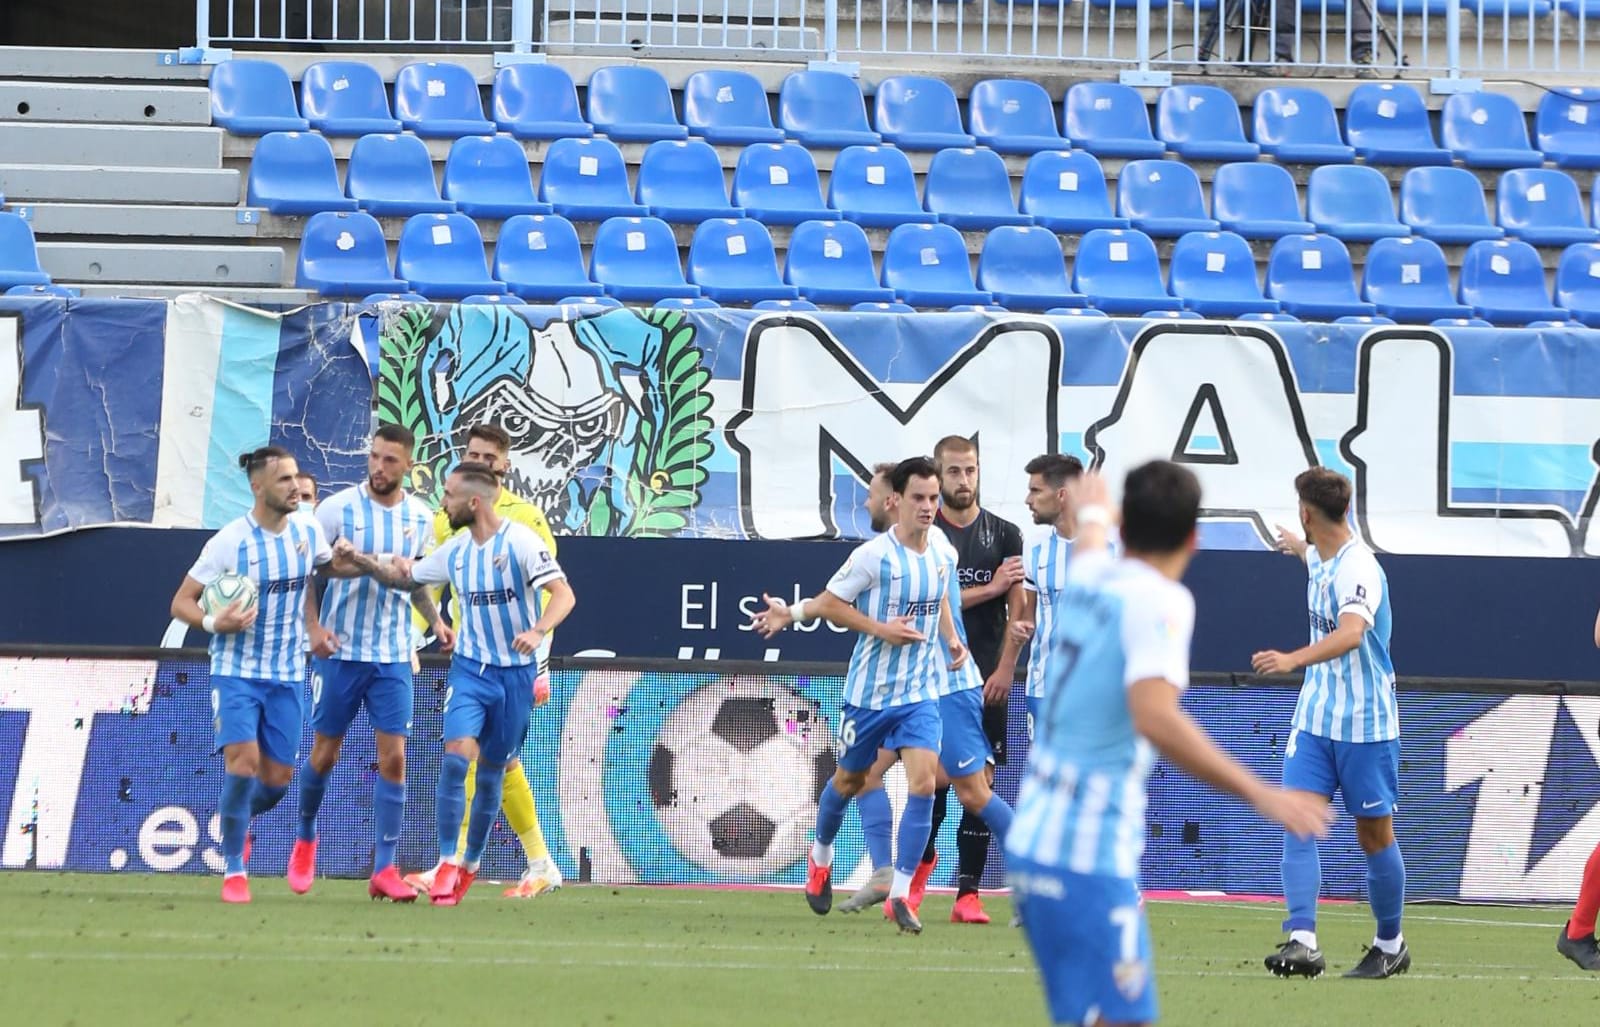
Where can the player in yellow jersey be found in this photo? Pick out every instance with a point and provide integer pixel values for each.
(489, 444)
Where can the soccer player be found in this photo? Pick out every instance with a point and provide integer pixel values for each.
(501, 572)
(258, 655)
(1576, 940)
(372, 666)
(1119, 659)
(1345, 734)
(306, 482)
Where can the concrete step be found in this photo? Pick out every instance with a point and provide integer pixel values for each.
(97, 219)
(79, 63)
(129, 104)
(162, 264)
(113, 146)
(261, 296)
(40, 182)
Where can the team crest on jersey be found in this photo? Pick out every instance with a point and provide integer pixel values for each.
(501, 562)
(1131, 976)
(300, 548)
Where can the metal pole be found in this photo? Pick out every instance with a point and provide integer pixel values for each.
(202, 23)
(1142, 75)
(1452, 37)
(830, 30)
(521, 26)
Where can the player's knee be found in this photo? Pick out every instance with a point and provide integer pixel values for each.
(973, 791)
(920, 781)
(274, 774)
(467, 748)
(849, 783)
(324, 753)
(392, 767)
(1375, 833)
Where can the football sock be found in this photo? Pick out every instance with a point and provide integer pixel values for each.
(1583, 914)
(388, 814)
(972, 841)
(312, 787)
(830, 814)
(1302, 882)
(264, 797)
(902, 883)
(915, 823)
(466, 808)
(941, 808)
(877, 824)
(485, 808)
(234, 811)
(1386, 890)
(522, 816)
(449, 800)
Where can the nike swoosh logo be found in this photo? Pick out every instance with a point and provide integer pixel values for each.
(391, 838)
(963, 763)
(1369, 805)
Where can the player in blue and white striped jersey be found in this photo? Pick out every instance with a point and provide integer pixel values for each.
(1346, 728)
(1118, 662)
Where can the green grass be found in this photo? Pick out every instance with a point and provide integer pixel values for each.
(130, 950)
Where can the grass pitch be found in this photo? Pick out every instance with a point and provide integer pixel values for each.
(132, 950)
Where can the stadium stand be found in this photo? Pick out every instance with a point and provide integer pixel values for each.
(1065, 191)
(970, 189)
(636, 258)
(1119, 271)
(19, 256)
(392, 174)
(487, 177)
(927, 266)
(1011, 115)
(539, 259)
(1023, 268)
(918, 113)
(252, 98)
(824, 108)
(1257, 201)
(680, 180)
(346, 98)
(733, 260)
(586, 180)
(1387, 123)
(1543, 206)
(537, 101)
(632, 103)
(436, 99)
(1503, 281)
(1408, 280)
(1446, 205)
(1202, 123)
(1214, 274)
(1566, 125)
(1297, 124)
(1578, 282)
(294, 173)
(874, 186)
(1162, 198)
(343, 254)
(441, 255)
(725, 106)
(1108, 120)
(1353, 203)
(1312, 277)
(777, 183)
(831, 262)
(1487, 130)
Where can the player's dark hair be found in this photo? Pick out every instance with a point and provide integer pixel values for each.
(1160, 507)
(492, 434)
(256, 459)
(397, 434)
(914, 467)
(956, 443)
(1326, 491)
(479, 476)
(308, 476)
(1055, 468)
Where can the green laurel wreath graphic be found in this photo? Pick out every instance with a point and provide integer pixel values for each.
(401, 379)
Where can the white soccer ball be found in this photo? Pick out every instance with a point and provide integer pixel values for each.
(225, 590)
(735, 775)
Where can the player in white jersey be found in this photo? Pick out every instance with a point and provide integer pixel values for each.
(372, 666)
(258, 662)
(1346, 731)
(499, 569)
(1119, 660)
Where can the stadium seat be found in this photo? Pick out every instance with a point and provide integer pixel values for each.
(1172, 315)
(1387, 123)
(1446, 205)
(680, 180)
(1353, 203)
(1065, 191)
(1312, 277)
(343, 253)
(19, 253)
(439, 100)
(1542, 206)
(883, 307)
(728, 107)
(1578, 282)
(927, 266)
(537, 101)
(874, 186)
(441, 255)
(539, 259)
(252, 98)
(1257, 201)
(971, 189)
(917, 113)
(1162, 198)
(1409, 280)
(1013, 115)
(44, 292)
(1023, 269)
(684, 303)
(585, 304)
(345, 98)
(796, 305)
(1298, 126)
(831, 262)
(1202, 123)
(487, 177)
(1461, 322)
(637, 259)
(392, 175)
(586, 180)
(824, 109)
(1566, 125)
(479, 299)
(393, 297)
(1109, 120)
(1214, 273)
(777, 183)
(1118, 270)
(1487, 130)
(1370, 320)
(1503, 280)
(732, 261)
(631, 103)
(1077, 312)
(294, 173)
(1280, 317)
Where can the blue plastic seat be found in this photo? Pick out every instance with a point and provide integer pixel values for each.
(1298, 125)
(1257, 201)
(1487, 130)
(441, 255)
(795, 305)
(632, 103)
(479, 299)
(728, 107)
(874, 186)
(1162, 198)
(831, 262)
(1370, 320)
(732, 260)
(684, 303)
(44, 292)
(539, 259)
(1280, 316)
(343, 253)
(1109, 120)
(918, 113)
(1202, 123)
(1352, 202)
(488, 177)
(1387, 123)
(1542, 206)
(537, 101)
(1214, 273)
(294, 173)
(393, 297)
(1409, 280)
(1013, 115)
(637, 259)
(971, 189)
(927, 266)
(436, 99)
(1503, 281)
(1460, 322)
(252, 98)
(392, 175)
(1173, 315)
(1578, 282)
(19, 253)
(345, 98)
(586, 180)
(1118, 270)
(1023, 269)
(1566, 125)
(680, 180)
(1078, 312)
(1065, 191)
(1446, 205)
(586, 304)
(884, 307)
(824, 109)
(777, 183)
(1312, 277)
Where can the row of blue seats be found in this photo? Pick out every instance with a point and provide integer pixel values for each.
(1385, 123)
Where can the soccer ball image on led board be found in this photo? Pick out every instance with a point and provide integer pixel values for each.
(735, 774)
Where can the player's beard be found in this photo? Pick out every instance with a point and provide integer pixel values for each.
(959, 500)
(384, 489)
(460, 520)
(881, 522)
(284, 506)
